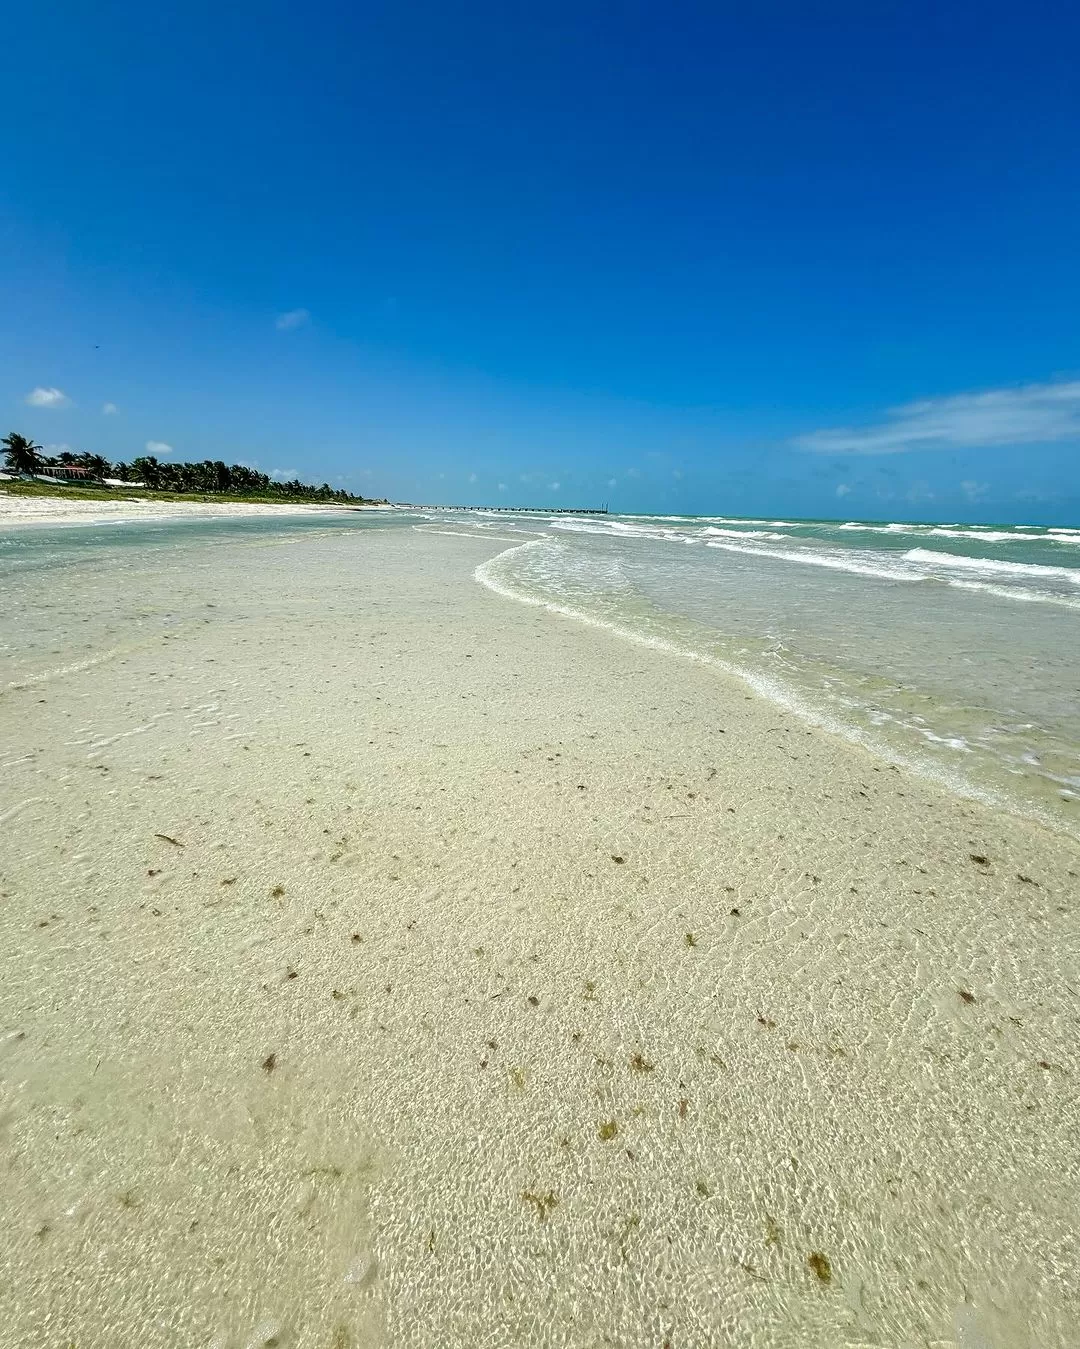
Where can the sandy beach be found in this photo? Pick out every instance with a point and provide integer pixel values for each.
(55, 510)
(385, 962)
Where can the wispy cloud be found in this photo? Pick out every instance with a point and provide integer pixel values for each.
(842, 489)
(502, 487)
(283, 474)
(612, 481)
(292, 318)
(472, 477)
(53, 450)
(974, 491)
(109, 409)
(554, 486)
(158, 447)
(1033, 414)
(46, 398)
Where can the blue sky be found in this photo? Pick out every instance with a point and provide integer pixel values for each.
(806, 259)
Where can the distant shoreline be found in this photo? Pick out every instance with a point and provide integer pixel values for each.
(16, 510)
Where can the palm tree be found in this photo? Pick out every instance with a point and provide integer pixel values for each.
(147, 468)
(20, 454)
(96, 463)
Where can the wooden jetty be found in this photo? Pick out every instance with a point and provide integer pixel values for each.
(515, 510)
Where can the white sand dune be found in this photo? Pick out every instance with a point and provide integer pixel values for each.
(387, 963)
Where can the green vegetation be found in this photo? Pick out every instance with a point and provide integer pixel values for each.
(209, 480)
(21, 455)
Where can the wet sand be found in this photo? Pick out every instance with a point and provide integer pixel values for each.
(386, 963)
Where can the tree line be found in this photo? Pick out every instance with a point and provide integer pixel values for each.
(210, 475)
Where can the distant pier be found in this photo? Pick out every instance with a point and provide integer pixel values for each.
(516, 510)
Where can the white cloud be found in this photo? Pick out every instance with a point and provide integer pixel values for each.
(676, 472)
(633, 472)
(612, 481)
(54, 450)
(1034, 414)
(283, 474)
(842, 489)
(109, 409)
(554, 486)
(472, 477)
(158, 447)
(292, 318)
(974, 490)
(46, 398)
(502, 487)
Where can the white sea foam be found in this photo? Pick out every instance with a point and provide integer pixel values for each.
(833, 561)
(572, 525)
(930, 557)
(896, 528)
(716, 530)
(749, 520)
(691, 530)
(916, 564)
(985, 535)
(1020, 593)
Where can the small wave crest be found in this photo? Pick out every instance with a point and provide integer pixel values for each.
(912, 566)
(1017, 593)
(993, 565)
(832, 561)
(717, 531)
(882, 529)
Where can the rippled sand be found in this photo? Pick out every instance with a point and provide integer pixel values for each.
(386, 963)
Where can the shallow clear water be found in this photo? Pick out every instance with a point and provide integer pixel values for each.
(26, 547)
(99, 569)
(955, 648)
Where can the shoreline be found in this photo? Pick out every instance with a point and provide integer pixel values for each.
(16, 511)
(390, 962)
(789, 700)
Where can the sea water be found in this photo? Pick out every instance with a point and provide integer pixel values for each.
(954, 649)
